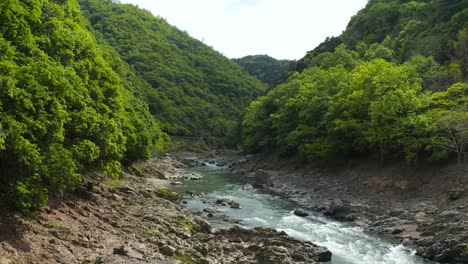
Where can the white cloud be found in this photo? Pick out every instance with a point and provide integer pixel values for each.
(284, 29)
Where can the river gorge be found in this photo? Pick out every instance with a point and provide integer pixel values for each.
(349, 244)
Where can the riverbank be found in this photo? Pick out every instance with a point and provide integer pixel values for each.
(425, 209)
(137, 219)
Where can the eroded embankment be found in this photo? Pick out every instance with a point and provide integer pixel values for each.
(138, 220)
(425, 209)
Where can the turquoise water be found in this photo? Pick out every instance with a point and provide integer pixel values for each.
(349, 244)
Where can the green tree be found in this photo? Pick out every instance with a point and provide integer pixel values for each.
(453, 132)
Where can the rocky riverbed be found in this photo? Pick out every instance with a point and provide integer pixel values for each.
(425, 209)
(137, 219)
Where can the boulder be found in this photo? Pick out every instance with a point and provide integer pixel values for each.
(235, 205)
(168, 250)
(210, 210)
(300, 212)
(247, 187)
(340, 211)
(193, 176)
(267, 245)
(223, 201)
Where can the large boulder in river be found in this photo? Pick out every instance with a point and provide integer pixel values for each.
(300, 212)
(235, 205)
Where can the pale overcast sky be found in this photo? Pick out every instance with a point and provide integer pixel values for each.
(284, 29)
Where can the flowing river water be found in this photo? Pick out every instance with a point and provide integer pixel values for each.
(349, 244)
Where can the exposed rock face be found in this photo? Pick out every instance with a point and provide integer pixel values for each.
(265, 245)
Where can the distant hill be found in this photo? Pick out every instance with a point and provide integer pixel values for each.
(267, 69)
(191, 88)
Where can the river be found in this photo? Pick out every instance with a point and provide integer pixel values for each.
(349, 244)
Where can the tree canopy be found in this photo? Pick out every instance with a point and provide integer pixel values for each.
(392, 86)
(191, 88)
(267, 69)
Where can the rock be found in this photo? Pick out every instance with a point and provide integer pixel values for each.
(450, 213)
(122, 250)
(8, 248)
(223, 201)
(194, 194)
(71, 205)
(221, 163)
(210, 210)
(407, 242)
(116, 197)
(126, 189)
(202, 225)
(339, 210)
(247, 187)
(158, 174)
(300, 212)
(235, 205)
(456, 193)
(274, 254)
(177, 183)
(322, 254)
(193, 176)
(270, 246)
(48, 210)
(169, 195)
(168, 250)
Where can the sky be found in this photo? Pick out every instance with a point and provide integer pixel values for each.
(283, 29)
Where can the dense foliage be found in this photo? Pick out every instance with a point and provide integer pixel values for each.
(191, 88)
(65, 112)
(267, 69)
(393, 89)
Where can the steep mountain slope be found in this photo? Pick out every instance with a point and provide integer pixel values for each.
(372, 91)
(65, 113)
(408, 28)
(193, 89)
(267, 69)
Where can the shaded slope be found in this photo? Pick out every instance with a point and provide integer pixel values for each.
(267, 69)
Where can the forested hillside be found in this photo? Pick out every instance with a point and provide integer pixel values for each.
(267, 69)
(79, 97)
(392, 86)
(65, 113)
(190, 87)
